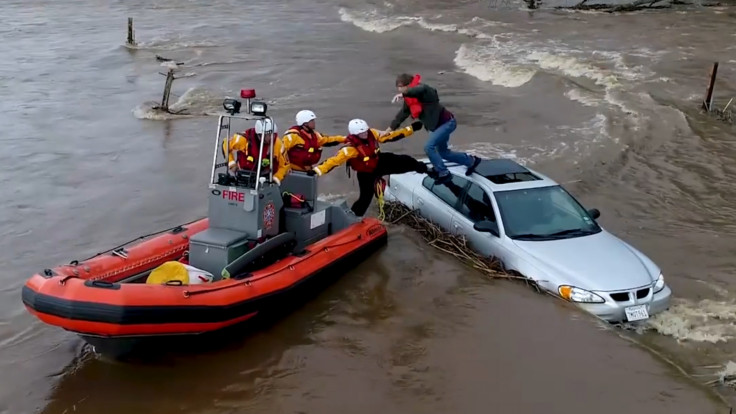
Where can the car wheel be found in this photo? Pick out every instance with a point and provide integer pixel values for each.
(528, 281)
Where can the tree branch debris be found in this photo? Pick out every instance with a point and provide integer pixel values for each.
(454, 245)
(636, 5)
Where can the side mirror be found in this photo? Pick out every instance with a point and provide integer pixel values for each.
(486, 226)
(594, 213)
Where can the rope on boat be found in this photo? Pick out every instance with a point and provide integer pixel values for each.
(380, 185)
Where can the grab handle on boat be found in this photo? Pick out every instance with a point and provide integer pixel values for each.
(102, 284)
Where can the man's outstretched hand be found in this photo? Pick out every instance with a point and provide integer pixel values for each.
(311, 172)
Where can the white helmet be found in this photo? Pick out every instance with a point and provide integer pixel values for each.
(304, 116)
(270, 126)
(357, 126)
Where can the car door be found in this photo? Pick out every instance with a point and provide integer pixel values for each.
(475, 206)
(437, 202)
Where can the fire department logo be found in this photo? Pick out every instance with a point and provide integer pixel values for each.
(269, 214)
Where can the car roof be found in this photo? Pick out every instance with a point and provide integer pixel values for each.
(501, 174)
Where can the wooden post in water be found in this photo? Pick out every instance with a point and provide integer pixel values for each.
(167, 90)
(131, 33)
(708, 102)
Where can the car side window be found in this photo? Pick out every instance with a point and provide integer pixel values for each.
(477, 205)
(428, 182)
(448, 192)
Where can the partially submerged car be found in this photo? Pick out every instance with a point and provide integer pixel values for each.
(535, 228)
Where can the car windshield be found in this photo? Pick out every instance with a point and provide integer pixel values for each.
(544, 213)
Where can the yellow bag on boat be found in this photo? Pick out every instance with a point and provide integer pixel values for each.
(168, 272)
(186, 274)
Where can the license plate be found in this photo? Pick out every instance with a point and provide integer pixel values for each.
(636, 313)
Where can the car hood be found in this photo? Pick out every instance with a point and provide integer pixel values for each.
(596, 262)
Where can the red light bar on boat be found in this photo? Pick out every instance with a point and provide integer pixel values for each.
(247, 93)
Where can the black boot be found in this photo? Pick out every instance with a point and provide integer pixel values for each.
(473, 166)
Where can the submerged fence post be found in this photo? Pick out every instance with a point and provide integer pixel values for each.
(167, 90)
(708, 102)
(131, 33)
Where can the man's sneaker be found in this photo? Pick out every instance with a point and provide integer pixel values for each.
(471, 169)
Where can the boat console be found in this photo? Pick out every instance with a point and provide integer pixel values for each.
(246, 208)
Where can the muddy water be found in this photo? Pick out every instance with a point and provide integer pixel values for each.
(594, 100)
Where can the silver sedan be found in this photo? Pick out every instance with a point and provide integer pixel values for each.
(537, 229)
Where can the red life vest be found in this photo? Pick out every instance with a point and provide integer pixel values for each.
(309, 153)
(368, 150)
(414, 105)
(248, 161)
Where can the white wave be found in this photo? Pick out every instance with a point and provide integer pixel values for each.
(615, 101)
(494, 150)
(727, 376)
(485, 64)
(584, 97)
(376, 22)
(572, 67)
(581, 140)
(373, 21)
(704, 321)
(452, 28)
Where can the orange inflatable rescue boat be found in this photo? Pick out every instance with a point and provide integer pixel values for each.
(260, 244)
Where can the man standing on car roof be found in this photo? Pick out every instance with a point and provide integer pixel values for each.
(422, 101)
(363, 154)
(303, 144)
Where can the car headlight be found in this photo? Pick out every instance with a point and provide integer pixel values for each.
(574, 294)
(659, 284)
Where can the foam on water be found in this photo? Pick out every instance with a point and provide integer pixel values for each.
(706, 320)
(584, 97)
(486, 64)
(572, 67)
(727, 375)
(374, 21)
(194, 102)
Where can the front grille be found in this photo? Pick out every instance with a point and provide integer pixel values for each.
(626, 296)
(620, 297)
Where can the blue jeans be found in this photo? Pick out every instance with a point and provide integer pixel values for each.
(436, 148)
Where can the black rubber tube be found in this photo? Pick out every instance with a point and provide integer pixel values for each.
(241, 262)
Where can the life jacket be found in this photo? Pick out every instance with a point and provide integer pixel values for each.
(368, 149)
(309, 153)
(247, 161)
(414, 105)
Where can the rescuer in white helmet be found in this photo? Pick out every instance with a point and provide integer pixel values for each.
(362, 153)
(303, 144)
(244, 147)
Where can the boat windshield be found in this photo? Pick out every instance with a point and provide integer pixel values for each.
(543, 213)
